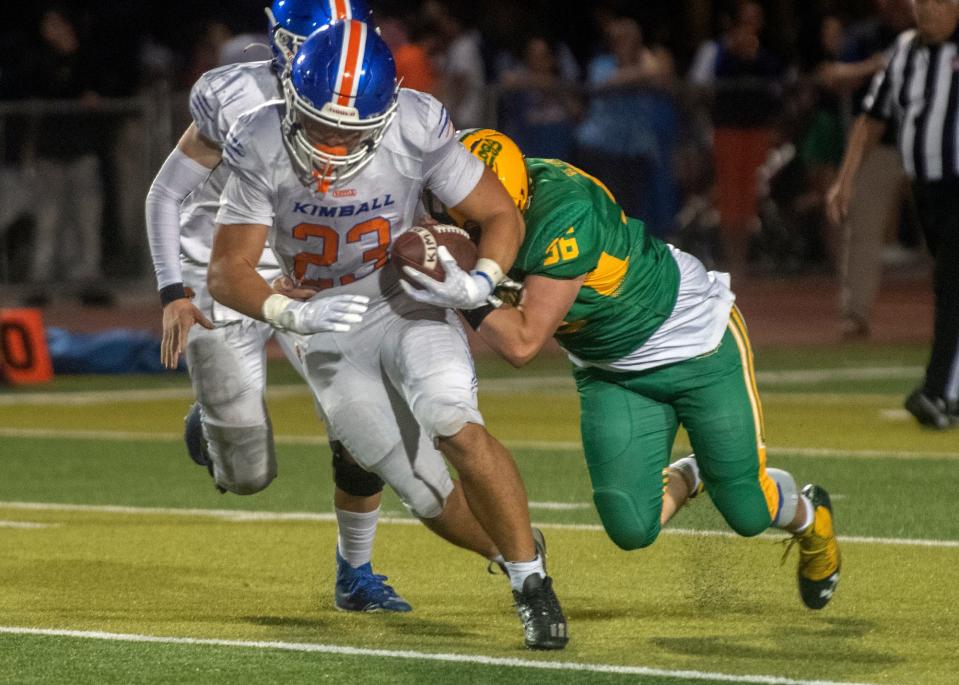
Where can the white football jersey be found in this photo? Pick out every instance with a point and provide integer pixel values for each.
(217, 100)
(343, 236)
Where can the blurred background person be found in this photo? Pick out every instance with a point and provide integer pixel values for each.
(462, 82)
(628, 135)
(748, 76)
(540, 100)
(65, 170)
(876, 207)
(404, 34)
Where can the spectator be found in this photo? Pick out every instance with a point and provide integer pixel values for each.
(746, 99)
(875, 209)
(630, 130)
(413, 65)
(540, 103)
(463, 75)
(66, 165)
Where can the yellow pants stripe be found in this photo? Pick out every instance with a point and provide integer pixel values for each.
(738, 329)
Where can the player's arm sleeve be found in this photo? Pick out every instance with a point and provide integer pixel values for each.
(569, 247)
(177, 178)
(449, 170)
(248, 196)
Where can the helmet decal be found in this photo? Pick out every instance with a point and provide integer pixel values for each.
(503, 157)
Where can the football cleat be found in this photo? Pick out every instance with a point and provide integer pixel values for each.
(359, 589)
(196, 442)
(930, 411)
(544, 625)
(193, 437)
(819, 557)
(540, 543)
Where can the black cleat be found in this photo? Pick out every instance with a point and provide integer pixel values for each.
(538, 608)
(930, 411)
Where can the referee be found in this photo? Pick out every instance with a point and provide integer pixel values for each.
(919, 93)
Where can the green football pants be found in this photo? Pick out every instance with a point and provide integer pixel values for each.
(629, 422)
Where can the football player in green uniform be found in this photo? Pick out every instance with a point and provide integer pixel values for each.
(656, 341)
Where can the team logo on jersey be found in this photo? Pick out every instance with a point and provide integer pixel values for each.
(313, 209)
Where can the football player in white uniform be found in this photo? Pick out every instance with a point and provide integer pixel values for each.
(228, 429)
(332, 175)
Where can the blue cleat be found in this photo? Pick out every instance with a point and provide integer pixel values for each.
(193, 437)
(196, 443)
(359, 589)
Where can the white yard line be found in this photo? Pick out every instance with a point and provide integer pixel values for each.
(424, 656)
(490, 385)
(28, 524)
(535, 445)
(240, 516)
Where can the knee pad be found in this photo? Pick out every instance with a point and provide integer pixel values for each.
(350, 477)
(788, 496)
(444, 417)
(623, 521)
(423, 488)
(244, 459)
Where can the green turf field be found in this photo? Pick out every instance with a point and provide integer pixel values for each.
(119, 563)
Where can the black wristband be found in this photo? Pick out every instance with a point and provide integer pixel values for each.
(169, 293)
(474, 317)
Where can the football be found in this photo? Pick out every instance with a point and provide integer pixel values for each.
(417, 248)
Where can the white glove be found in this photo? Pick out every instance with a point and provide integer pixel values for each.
(321, 315)
(460, 290)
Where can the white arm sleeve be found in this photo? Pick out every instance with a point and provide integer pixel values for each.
(177, 178)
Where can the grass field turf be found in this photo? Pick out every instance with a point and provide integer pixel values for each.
(695, 601)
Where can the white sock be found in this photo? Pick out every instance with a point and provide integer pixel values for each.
(519, 571)
(355, 535)
(810, 514)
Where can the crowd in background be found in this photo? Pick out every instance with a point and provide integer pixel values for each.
(724, 145)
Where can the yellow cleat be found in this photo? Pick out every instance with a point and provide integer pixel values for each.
(819, 557)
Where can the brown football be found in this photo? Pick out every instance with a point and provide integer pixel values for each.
(417, 248)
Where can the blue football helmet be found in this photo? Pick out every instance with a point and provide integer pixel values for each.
(291, 21)
(341, 95)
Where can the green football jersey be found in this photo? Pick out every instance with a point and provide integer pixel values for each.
(573, 227)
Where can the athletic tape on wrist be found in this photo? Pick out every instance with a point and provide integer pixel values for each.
(273, 306)
(490, 269)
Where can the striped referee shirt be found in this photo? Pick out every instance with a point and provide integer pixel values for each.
(919, 92)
